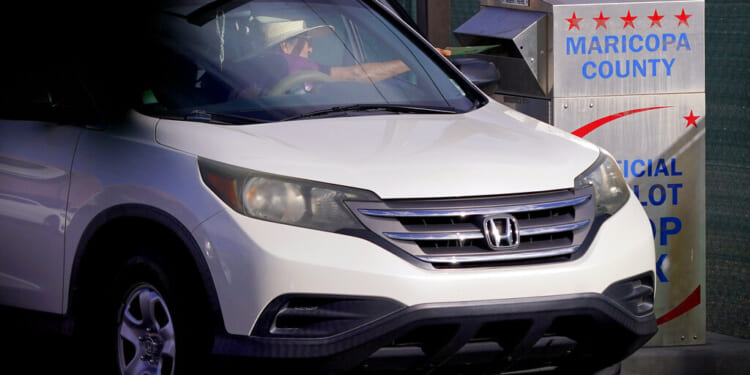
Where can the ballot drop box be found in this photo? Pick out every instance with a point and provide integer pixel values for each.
(630, 77)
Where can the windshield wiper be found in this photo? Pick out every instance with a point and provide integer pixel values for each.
(207, 116)
(371, 107)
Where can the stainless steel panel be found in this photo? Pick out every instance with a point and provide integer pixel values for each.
(500, 23)
(625, 48)
(659, 142)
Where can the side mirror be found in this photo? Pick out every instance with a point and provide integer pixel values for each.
(481, 72)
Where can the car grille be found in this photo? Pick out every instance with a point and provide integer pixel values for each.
(450, 233)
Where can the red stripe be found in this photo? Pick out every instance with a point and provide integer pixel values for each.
(694, 299)
(588, 128)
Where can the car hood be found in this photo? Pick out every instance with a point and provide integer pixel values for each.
(489, 151)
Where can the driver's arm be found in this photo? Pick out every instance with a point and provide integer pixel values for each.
(369, 72)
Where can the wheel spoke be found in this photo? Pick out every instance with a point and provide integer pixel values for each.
(167, 332)
(130, 329)
(137, 367)
(168, 349)
(148, 301)
(167, 335)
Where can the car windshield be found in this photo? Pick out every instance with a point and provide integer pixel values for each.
(270, 60)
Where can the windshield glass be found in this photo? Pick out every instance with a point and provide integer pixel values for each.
(270, 60)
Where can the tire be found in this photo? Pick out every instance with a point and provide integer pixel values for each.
(148, 319)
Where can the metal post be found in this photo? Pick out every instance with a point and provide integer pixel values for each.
(434, 20)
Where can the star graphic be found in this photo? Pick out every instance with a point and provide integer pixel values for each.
(573, 21)
(628, 20)
(601, 21)
(691, 119)
(655, 19)
(683, 18)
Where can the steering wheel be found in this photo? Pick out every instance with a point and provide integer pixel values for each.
(296, 79)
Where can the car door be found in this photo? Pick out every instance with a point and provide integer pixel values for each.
(38, 135)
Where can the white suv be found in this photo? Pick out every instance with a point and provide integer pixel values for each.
(307, 182)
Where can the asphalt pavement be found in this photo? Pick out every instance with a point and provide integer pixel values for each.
(720, 355)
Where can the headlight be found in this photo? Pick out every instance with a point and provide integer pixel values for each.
(282, 199)
(610, 189)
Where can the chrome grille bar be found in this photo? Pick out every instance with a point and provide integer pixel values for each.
(497, 257)
(477, 234)
(553, 228)
(444, 236)
(476, 211)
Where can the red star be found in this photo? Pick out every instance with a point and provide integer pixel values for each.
(655, 19)
(691, 119)
(683, 18)
(573, 21)
(601, 21)
(628, 20)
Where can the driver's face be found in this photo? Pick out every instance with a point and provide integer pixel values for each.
(301, 44)
(306, 49)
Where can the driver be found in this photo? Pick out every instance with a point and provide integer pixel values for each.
(287, 46)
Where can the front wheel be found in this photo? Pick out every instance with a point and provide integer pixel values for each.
(146, 336)
(144, 313)
(161, 323)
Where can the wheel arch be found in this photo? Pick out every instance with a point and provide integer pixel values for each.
(91, 259)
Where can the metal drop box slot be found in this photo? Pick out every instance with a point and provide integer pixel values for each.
(521, 30)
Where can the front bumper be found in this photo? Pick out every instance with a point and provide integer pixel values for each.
(253, 262)
(576, 332)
